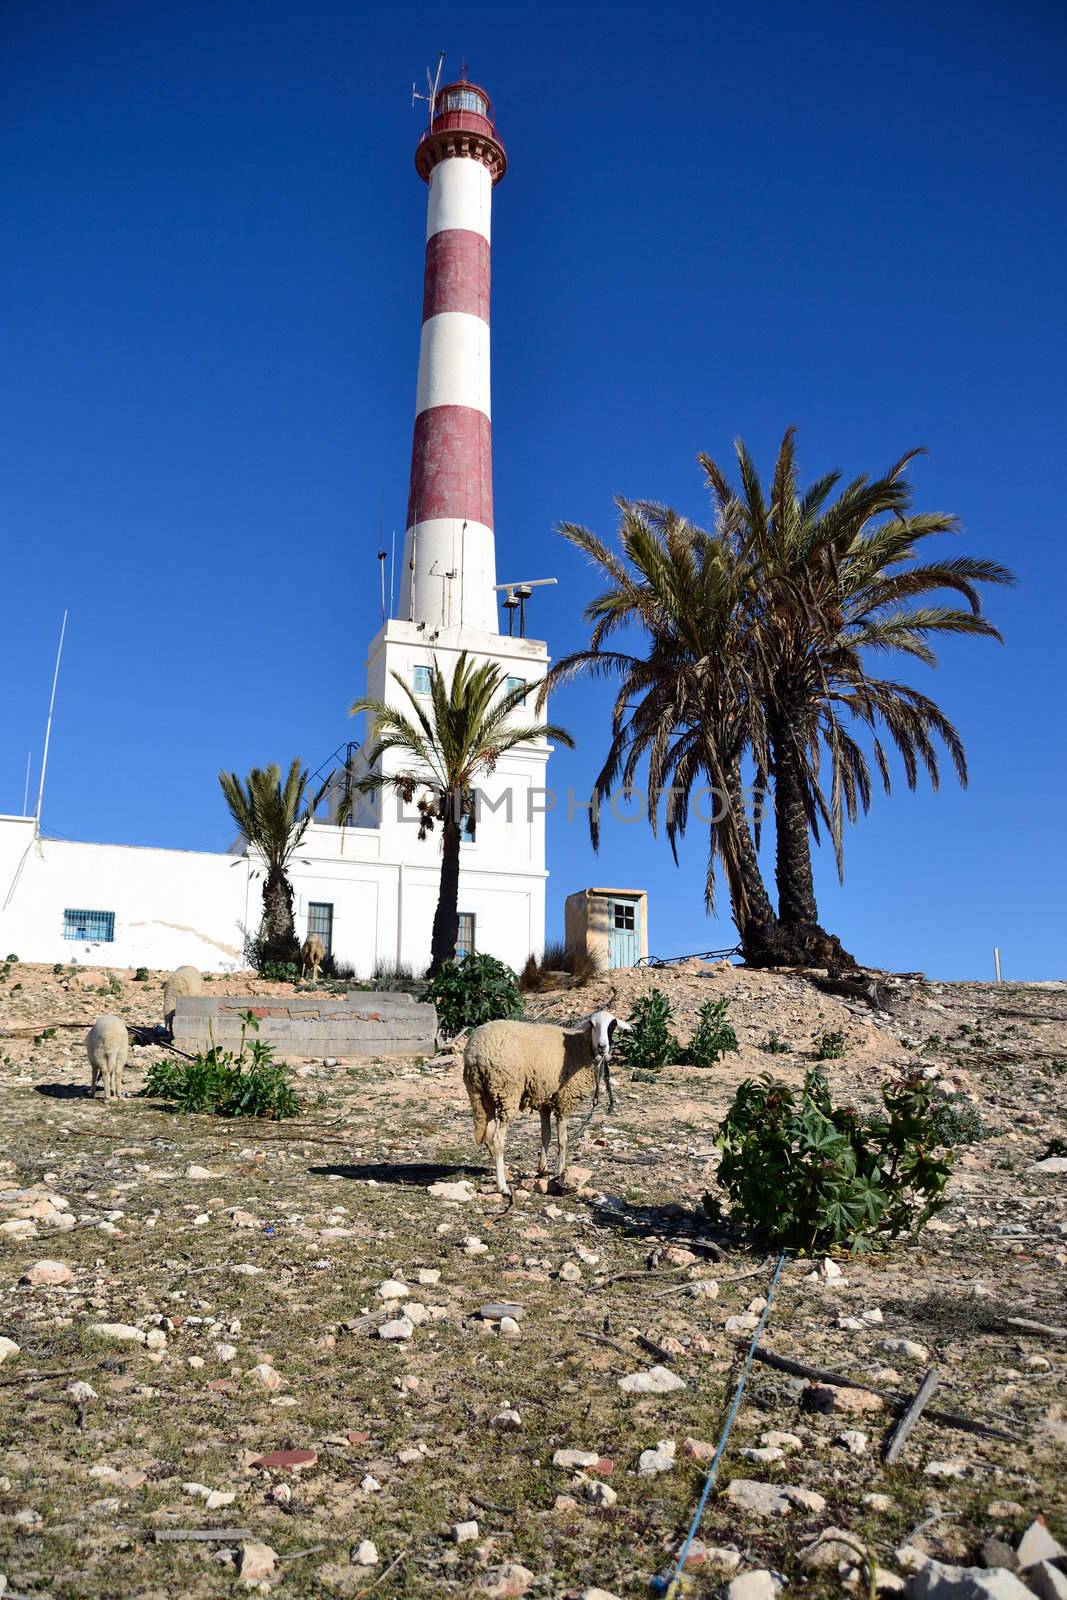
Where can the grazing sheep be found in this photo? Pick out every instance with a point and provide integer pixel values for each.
(185, 981)
(312, 954)
(530, 1066)
(107, 1045)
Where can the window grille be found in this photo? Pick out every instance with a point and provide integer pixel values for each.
(320, 921)
(465, 939)
(624, 915)
(465, 100)
(89, 927)
(420, 680)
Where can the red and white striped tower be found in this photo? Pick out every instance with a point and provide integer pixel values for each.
(449, 566)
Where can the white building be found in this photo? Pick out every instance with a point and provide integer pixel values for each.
(371, 888)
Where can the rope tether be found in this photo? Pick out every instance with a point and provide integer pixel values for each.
(669, 1587)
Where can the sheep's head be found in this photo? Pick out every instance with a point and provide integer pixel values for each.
(602, 1026)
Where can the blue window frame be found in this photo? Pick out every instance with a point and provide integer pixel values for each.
(420, 680)
(511, 684)
(89, 927)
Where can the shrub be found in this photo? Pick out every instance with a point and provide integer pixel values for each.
(803, 1174)
(477, 989)
(280, 971)
(830, 1047)
(650, 1044)
(113, 984)
(957, 1121)
(141, 975)
(540, 974)
(341, 971)
(775, 1045)
(712, 1037)
(392, 974)
(248, 1084)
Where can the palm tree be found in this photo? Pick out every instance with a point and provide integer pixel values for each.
(687, 704)
(449, 745)
(273, 816)
(835, 580)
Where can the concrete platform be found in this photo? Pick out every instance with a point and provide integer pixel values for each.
(361, 1023)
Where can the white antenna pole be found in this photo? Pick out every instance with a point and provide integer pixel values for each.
(392, 576)
(996, 962)
(26, 786)
(48, 727)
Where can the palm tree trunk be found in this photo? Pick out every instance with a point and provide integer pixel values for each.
(798, 940)
(749, 901)
(796, 887)
(446, 917)
(278, 932)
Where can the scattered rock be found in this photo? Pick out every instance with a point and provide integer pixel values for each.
(267, 1377)
(392, 1289)
(771, 1499)
(906, 1348)
(257, 1561)
(48, 1272)
(287, 1460)
(194, 1171)
(853, 1441)
(1037, 1544)
(774, 1440)
(832, 1546)
(761, 1584)
(506, 1582)
(8, 1347)
(117, 1332)
(657, 1380)
(365, 1554)
(429, 1275)
(936, 1581)
(570, 1272)
(81, 1392)
(571, 1460)
(829, 1397)
(473, 1246)
(462, 1190)
(661, 1459)
(600, 1494)
(497, 1310)
(509, 1327)
(598, 1594)
(464, 1532)
(507, 1421)
(944, 1471)
(398, 1328)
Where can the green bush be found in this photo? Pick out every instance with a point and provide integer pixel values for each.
(805, 1175)
(477, 989)
(775, 1045)
(280, 971)
(957, 1121)
(248, 1084)
(830, 1047)
(650, 1043)
(141, 975)
(712, 1037)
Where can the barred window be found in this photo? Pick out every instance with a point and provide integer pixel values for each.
(320, 921)
(89, 927)
(465, 940)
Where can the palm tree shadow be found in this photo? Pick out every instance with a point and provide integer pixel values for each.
(64, 1091)
(408, 1174)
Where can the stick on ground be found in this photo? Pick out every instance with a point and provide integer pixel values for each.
(899, 1436)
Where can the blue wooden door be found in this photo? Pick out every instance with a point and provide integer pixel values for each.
(623, 933)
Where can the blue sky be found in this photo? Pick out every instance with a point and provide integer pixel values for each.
(716, 221)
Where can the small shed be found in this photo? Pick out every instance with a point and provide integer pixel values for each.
(609, 924)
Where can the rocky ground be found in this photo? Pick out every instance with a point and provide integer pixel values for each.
(194, 1313)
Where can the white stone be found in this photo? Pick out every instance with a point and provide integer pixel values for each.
(398, 1328)
(945, 1470)
(245, 1269)
(854, 1441)
(936, 1581)
(453, 1191)
(570, 1460)
(117, 1332)
(194, 1171)
(775, 1440)
(661, 1459)
(1050, 1164)
(392, 1289)
(703, 1289)
(81, 1392)
(906, 1348)
(657, 1380)
(464, 1532)
(226, 1352)
(570, 1272)
(1037, 1544)
(155, 1339)
(257, 1561)
(8, 1347)
(366, 1554)
(746, 1323)
(509, 1327)
(473, 1246)
(598, 1594)
(761, 1584)
(369, 1485)
(600, 1494)
(267, 1377)
(764, 1454)
(415, 1312)
(507, 1420)
(429, 1275)
(48, 1273)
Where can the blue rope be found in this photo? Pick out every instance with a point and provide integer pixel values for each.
(666, 1586)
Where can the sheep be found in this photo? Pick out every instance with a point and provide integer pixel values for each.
(528, 1066)
(312, 954)
(186, 981)
(107, 1045)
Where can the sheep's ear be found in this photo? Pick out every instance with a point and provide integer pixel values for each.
(624, 1027)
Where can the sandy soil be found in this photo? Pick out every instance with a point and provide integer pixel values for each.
(161, 1219)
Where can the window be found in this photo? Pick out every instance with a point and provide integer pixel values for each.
(624, 915)
(420, 680)
(470, 827)
(89, 926)
(465, 940)
(511, 684)
(465, 100)
(320, 921)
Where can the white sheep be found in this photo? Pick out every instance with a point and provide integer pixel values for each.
(185, 981)
(530, 1066)
(107, 1044)
(312, 954)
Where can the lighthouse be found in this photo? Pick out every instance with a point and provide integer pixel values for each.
(447, 603)
(449, 563)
